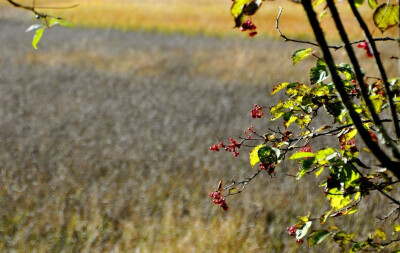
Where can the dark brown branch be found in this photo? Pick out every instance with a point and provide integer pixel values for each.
(33, 8)
(379, 63)
(376, 187)
(384, 218)
(373, 146)
(360, 78)
(316, 44)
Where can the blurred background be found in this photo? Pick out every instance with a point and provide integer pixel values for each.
(105, 130)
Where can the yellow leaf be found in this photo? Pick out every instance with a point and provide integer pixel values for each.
(254, 159)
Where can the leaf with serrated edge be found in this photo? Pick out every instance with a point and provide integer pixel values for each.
(386, 16)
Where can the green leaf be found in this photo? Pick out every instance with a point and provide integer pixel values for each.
(306, 165)
(300, 233)
(334, 108)
(342, 238)
(353, 210)
(321, 155)
(301, 54)
(358, 3)
(254, 159)
(324, 217)
(267, 155)
(59, 21)
(372, 3)
(319, 72)
(349, 175)
(386, 16)
(299, 155)
(292, 119)
(37, 37)
(278, 88)
(317, 237)
(358, 246)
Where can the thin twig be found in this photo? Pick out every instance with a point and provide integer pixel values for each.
(384, 218)
(379, 63)
(316, 44)
(244, 183)
(383, 158)
(33, 8)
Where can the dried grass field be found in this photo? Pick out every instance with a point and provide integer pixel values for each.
(105, 136)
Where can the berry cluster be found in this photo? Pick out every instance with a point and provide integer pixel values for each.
(351, 145)
(231, 147)
(355, 90)
(249, 132)
(364, 45)
(249, 26)
(292, 232)
(377, 87)
(218, 199)
(257, 112)
(306, 148)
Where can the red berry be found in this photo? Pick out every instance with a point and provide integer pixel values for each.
(252, 34)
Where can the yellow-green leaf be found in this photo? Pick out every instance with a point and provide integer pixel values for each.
(337, 199)
(37, 37)
(301, 54)
(237, 7)
(324, 217)
(317, 237)
(279, 87)
(254, 159)
(380, 234)
(386, 16)
(299, 155)
(352, 210)
(372, 3)
(396, 228)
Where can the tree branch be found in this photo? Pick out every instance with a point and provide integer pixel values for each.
(373, 146)
(33, 8)
(316, 44)
(380, 66)
(360, 78)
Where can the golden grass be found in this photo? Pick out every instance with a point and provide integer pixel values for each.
(206, 17)
(105, 141)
